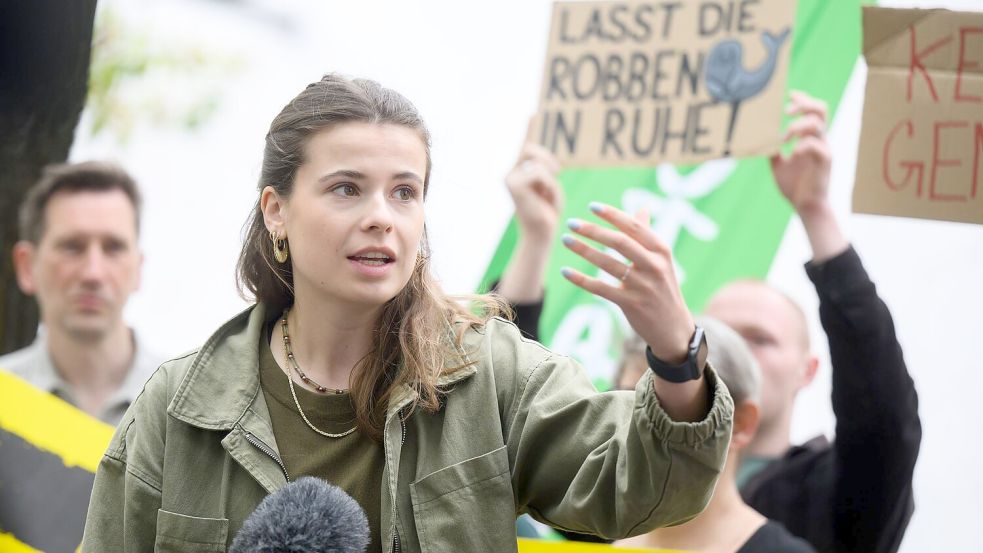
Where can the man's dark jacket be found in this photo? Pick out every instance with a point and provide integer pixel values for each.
(854, 494)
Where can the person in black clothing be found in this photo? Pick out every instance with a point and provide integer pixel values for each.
(728, 525)
(853, 494)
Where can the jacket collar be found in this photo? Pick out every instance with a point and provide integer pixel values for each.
(223, 379)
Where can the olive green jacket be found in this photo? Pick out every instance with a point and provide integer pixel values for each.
(521, 430)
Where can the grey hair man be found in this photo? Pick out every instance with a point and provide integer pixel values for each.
(728, 525)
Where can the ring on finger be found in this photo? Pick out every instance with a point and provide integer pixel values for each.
(627, 272)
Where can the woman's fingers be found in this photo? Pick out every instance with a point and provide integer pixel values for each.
(618, 241)
(633, 227)
(648, 256)
(592, 285)
(601, 260)
(647, 293)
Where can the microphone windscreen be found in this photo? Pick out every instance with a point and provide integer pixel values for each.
(305, 516)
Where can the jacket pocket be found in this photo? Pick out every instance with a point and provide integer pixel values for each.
(183, 533)
(468, 506)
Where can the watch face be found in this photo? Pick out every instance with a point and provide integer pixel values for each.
(701, 352)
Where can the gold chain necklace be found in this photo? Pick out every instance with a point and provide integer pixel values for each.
(306, 380)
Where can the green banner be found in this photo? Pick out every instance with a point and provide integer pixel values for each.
(724, 219)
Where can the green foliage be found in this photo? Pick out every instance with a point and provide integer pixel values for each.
(138, 78)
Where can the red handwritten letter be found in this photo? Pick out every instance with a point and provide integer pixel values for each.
(911, 166)
(936, 162)
(916, 62)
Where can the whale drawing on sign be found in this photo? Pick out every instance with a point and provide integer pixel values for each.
(728, 81)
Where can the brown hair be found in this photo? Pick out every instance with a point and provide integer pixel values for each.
(732, 358)
(87, 176)
(412, 336)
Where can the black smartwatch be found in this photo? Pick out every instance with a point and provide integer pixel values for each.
(690, 369)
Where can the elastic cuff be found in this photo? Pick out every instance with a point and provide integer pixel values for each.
(688, 433)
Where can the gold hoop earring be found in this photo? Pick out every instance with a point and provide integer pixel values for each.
(280, 249)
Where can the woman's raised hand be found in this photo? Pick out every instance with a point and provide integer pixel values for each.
(648, 292)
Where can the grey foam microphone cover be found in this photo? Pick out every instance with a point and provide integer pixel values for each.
(305, 516)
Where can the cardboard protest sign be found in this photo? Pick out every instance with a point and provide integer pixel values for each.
(49, 453)
(921, 146)
(640, 83)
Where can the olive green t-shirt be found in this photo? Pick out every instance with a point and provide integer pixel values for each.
(353, 463)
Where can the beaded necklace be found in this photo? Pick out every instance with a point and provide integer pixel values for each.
(306, 380)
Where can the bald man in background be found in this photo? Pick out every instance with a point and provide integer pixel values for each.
(79, 257)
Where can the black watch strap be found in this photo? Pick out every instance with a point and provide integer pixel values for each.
(689, 369)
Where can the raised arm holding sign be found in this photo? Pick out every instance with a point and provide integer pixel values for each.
(852, 494)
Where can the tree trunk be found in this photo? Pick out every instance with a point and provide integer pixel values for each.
(44, 74)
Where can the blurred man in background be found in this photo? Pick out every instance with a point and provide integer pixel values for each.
(78, 255)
